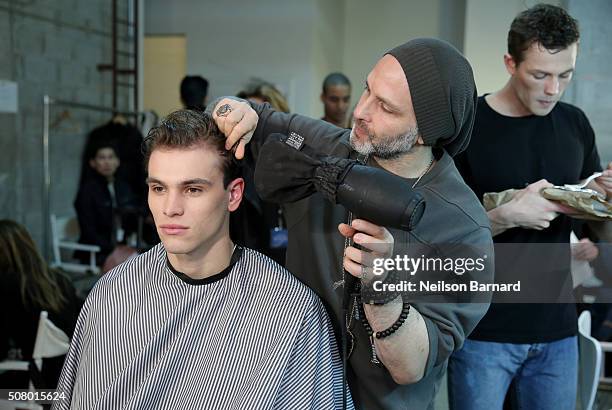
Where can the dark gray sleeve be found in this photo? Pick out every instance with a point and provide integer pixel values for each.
(450, 321)
(321, 136)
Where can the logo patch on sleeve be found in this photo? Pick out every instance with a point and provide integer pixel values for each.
(295, 140)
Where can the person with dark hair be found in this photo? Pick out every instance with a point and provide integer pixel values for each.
(27, 287)
(198, 322)
(104, 204)
(194, 91)
(525, 138)
(126, 140)
(416, 112)
(336, 97)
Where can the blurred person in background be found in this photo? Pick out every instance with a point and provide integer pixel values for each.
(27, 287)
(336, 96)
(105, 204)
(260, 91)
(194, 92)
(126, 140)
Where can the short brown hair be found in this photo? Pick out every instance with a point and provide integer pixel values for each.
(545, 24)
(185, 129)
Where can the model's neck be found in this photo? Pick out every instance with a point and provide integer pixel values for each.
(410, 165)
(506, 102)
(206, 262)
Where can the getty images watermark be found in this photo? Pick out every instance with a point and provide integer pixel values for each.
(474, 273)
(460, 267)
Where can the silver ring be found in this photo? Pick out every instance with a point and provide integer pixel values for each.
(364, 274)
(224, 110)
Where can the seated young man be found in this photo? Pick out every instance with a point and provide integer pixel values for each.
(198, 322)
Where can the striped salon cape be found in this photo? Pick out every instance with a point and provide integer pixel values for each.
(250, 337)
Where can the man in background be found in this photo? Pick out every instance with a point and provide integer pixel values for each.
(525, 138)
(336, 96)
(194, 92)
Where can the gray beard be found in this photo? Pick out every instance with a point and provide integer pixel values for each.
(388, 147)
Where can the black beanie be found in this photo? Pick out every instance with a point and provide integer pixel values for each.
(443, 92)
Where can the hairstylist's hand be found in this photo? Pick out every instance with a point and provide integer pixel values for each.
(237, 120)
(375, 241)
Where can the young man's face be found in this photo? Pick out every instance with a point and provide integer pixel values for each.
(105, 162)
(189, 204)
(336, 99)
(384, 119)
(541, 78)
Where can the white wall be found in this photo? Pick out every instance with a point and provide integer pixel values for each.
(485, 42)
(372, 28)
(230, 42)
(591, 88)
(294, 43)
(328, 47)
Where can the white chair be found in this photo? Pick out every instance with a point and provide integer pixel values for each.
(606, 347)
(582, 272)
(590, 358)
(51, 341)
(65, 231)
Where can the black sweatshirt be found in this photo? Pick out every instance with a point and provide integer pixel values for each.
(512, 152)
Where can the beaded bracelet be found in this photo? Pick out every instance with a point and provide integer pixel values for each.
(389, 331)
(372, 297)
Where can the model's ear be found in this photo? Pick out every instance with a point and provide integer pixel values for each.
(510, 64)
(235, 189)
(92, 163)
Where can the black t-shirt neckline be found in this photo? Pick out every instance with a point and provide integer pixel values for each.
(210, 279)
(528, 117)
